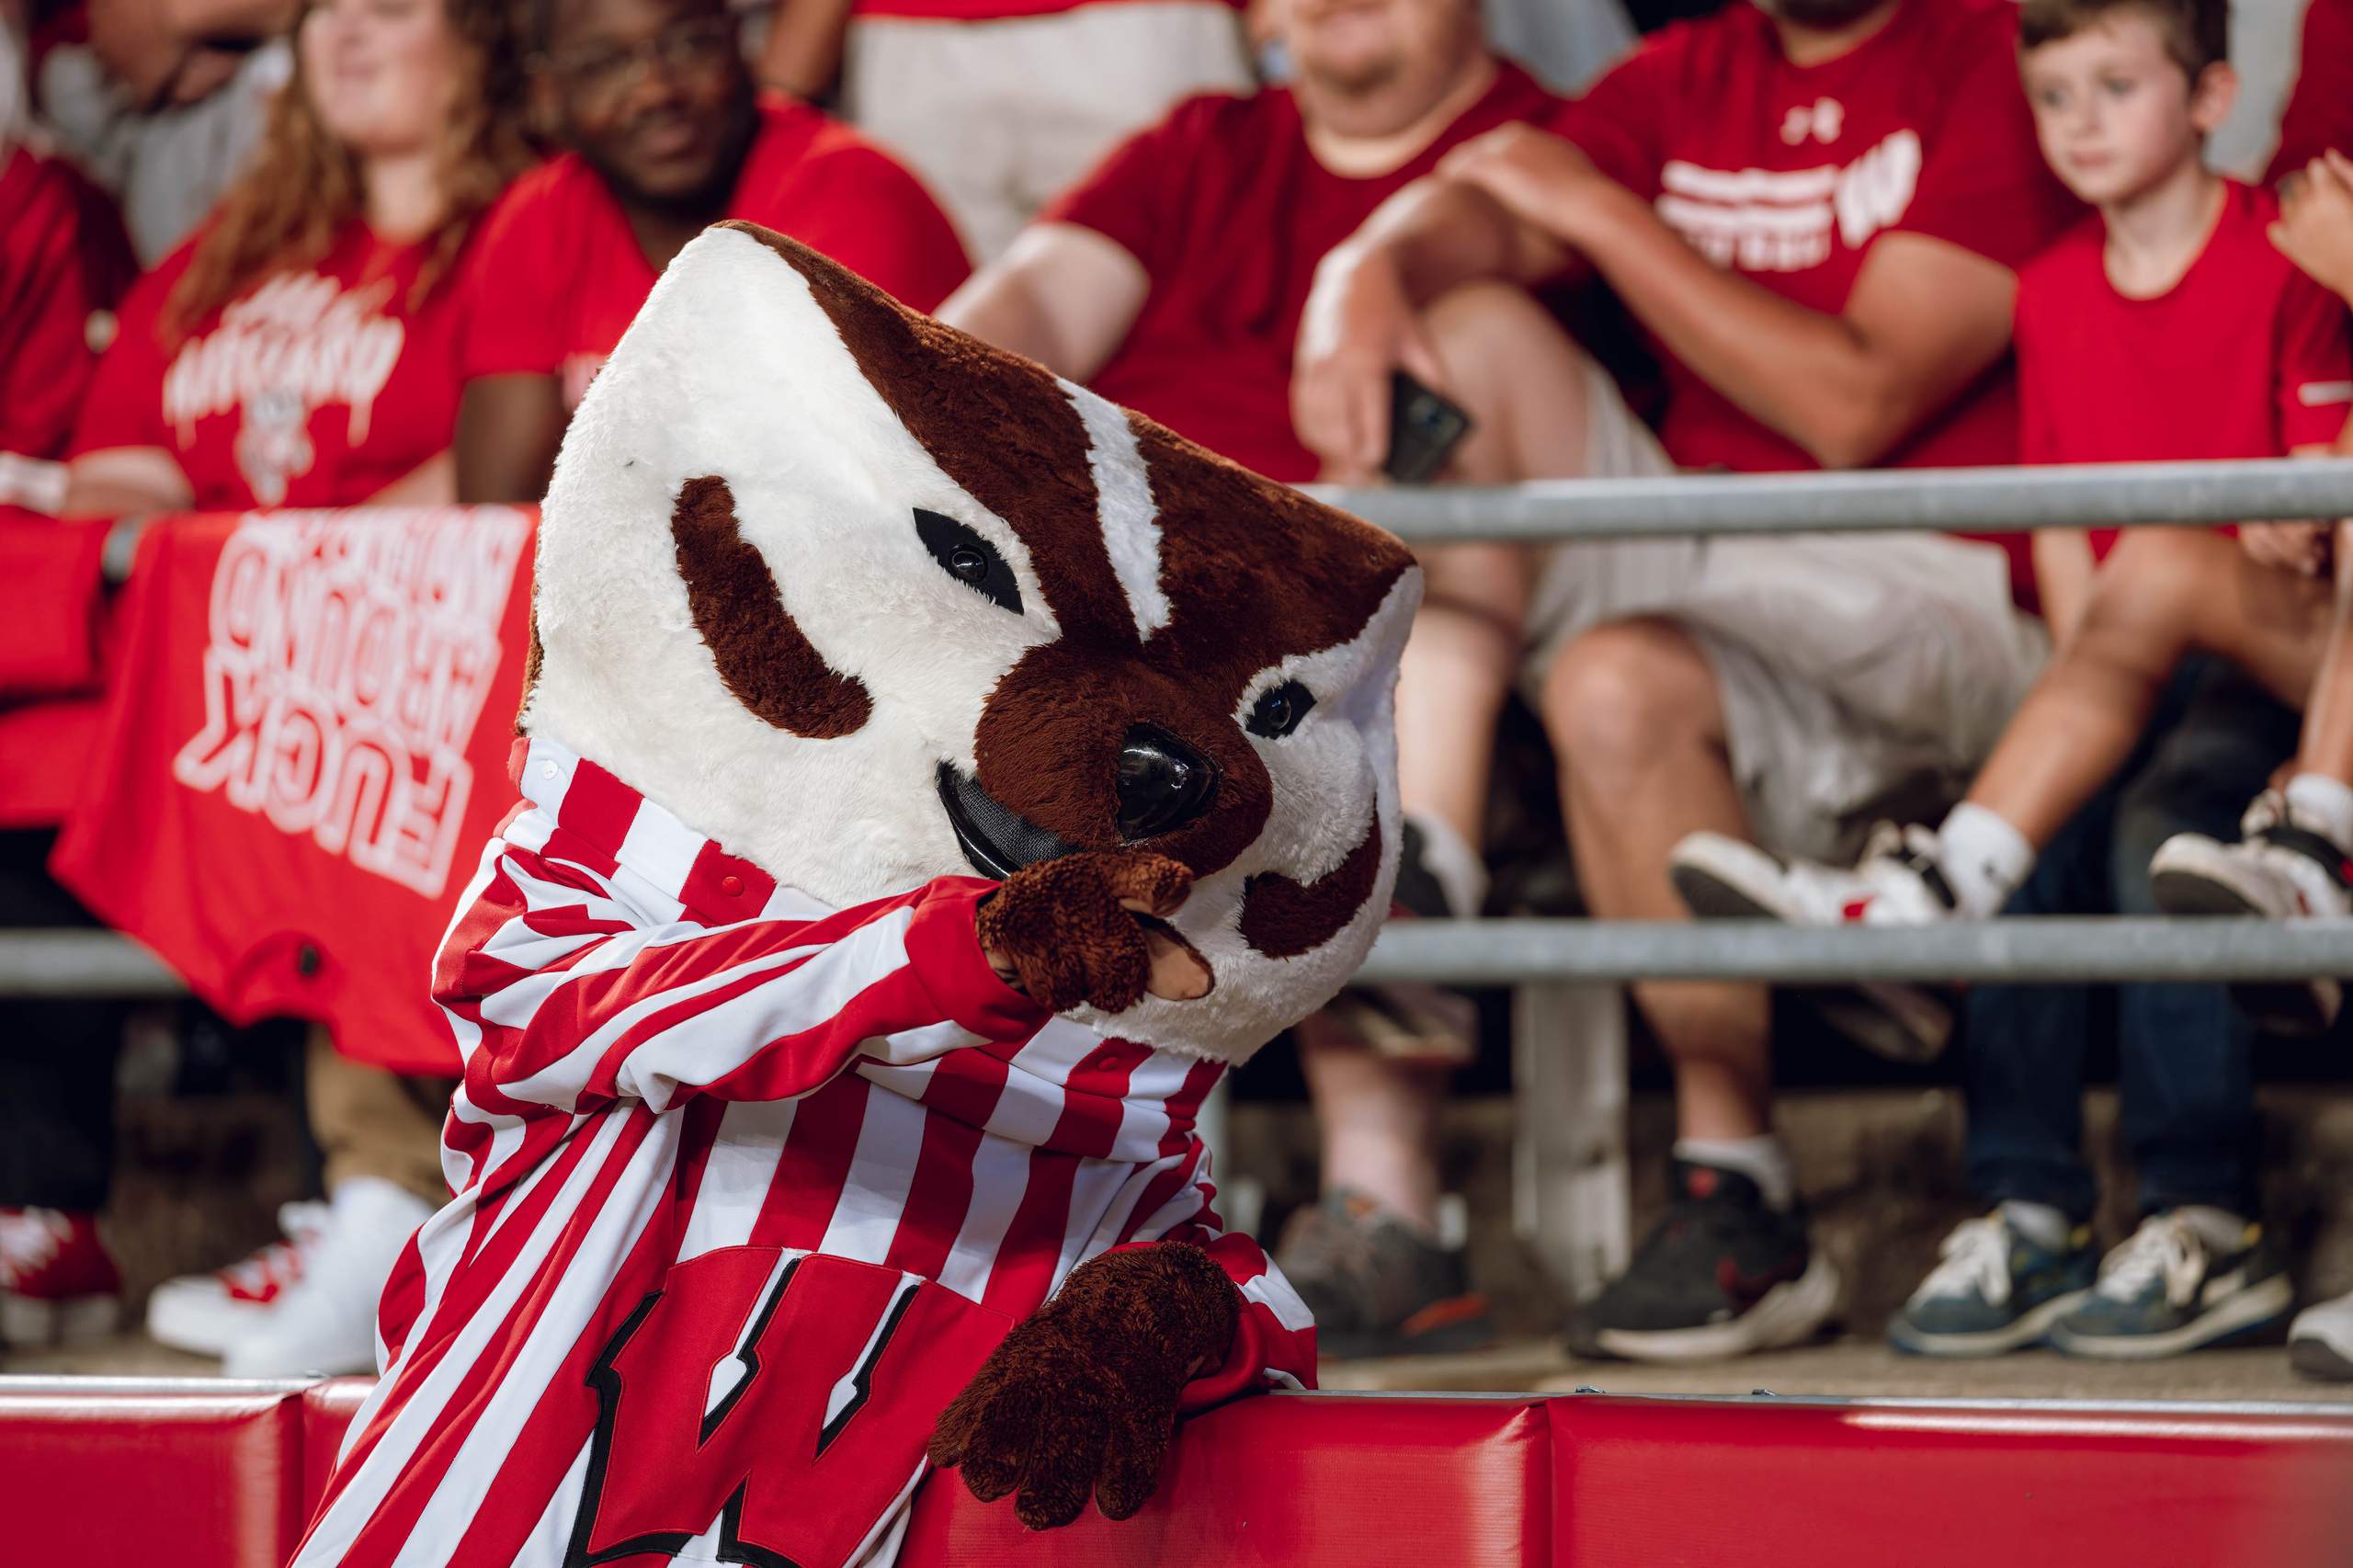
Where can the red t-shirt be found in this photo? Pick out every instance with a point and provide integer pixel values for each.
(558, 276)
(1788, 175)
(312, 387)
(2318, 114)
(63, 261)
(2245, 356)
(1228, 212)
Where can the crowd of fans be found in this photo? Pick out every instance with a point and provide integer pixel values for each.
(261, 252)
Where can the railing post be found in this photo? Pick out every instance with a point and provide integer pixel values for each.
(1569, 1197)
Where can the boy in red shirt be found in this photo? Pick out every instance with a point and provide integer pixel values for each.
(2295, 846)
(666, 137)
(2166, 325)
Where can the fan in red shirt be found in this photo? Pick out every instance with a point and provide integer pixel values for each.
(1171, 279)
(300, 349)
(1815, 210)
(666, 137)
(64, 263)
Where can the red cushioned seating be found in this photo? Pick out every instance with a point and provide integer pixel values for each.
(193, 1473)
(327, 1410)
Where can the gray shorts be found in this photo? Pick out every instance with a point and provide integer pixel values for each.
(1854, 669)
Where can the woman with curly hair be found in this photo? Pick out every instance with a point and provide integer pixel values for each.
(298, 350)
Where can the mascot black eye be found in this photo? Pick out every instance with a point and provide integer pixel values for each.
(1279, 710)
(969, 559)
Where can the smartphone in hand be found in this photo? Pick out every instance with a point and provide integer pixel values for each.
(1423, 430)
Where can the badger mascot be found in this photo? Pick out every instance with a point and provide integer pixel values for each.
(934, 777)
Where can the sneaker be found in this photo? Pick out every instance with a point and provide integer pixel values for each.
(204, 1312)
(2320, 1342)
(58, 1283)
(1379, 1285)
(1897, 882)
(325, 1322)
(2165, 1291)
(1996, 1289)
(1721, 1273)
(2279, 869)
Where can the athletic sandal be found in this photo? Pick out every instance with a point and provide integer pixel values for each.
(1378, 1284)
(1721, 1273)
(2279, 869)
(2165, 1290)
(1996, 1289)
(1897, 882)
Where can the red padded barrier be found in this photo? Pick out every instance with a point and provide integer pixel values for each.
(1339, 1478)
(1866, 1484)
(193, 1473)
(209, 1474)
(327, 1410)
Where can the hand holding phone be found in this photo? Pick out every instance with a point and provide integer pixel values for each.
(1423, 430)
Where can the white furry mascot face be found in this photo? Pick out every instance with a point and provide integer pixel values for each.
(868, 602)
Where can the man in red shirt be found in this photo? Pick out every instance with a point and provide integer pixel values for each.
(1172, 279)
(668, 137)
(1815, 208)
(2166, 324)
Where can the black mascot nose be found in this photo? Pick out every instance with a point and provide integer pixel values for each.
(1164, 783)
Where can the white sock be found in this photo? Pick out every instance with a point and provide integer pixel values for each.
(1453, 862)
(2322, 804)
(2221, 1229)
(2042, 1223)
(1983, 859)
(1761, 1159)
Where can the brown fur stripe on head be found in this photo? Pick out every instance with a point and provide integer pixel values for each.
(762, 654)
(997, 425)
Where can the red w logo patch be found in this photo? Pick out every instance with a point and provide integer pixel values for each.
(780, 1398)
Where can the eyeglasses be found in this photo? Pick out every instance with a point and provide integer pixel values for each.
(603, 72)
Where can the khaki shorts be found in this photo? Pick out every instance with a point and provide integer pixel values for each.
(999, 117)
(1855, 670)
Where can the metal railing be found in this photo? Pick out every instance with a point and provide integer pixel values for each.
(1981, 500)
(2053, 950)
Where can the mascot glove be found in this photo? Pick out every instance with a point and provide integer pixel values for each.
(1082, 1395)
(1066, 928)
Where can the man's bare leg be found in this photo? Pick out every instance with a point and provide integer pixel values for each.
(1637, 720)
(1526, 393)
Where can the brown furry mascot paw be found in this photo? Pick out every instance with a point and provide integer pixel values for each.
(1081, 1396)
(1086, 928)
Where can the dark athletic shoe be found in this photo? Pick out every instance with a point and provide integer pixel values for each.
(1720, 1274)
(1996, 1289)
(1377, 1284)
(2164, 1290)
(2282, 869)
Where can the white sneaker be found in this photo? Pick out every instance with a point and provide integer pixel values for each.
(325, 1322)
(204, 1312)
(2280, 870)
(1897, 882)
(2320, 1342)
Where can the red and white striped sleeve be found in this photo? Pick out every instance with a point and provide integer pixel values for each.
(1274, 1339)
(572, 1004)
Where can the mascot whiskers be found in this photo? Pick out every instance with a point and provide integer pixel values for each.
(934, 777)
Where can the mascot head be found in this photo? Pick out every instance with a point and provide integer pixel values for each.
(868, 602)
